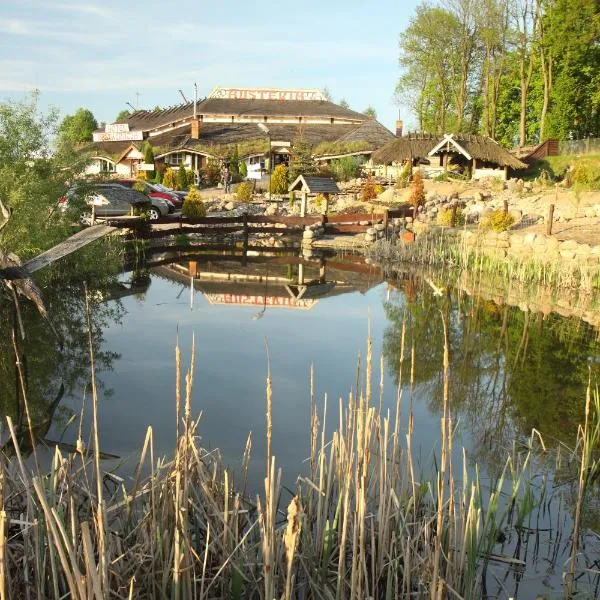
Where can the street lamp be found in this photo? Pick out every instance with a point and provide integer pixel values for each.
(265, 129)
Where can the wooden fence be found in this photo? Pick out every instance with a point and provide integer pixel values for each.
(338, 224)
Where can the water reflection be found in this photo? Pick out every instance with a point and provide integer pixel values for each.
(510, 371)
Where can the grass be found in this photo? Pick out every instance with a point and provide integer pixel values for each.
(360, 523)
(440, 248)
(555, 168)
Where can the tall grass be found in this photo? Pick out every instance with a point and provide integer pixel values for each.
(442, 249)
(359, 525)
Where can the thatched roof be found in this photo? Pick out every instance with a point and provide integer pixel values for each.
(419, 145)
(370, 131)
(147, 120)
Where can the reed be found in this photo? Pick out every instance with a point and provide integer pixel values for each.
(360, 524)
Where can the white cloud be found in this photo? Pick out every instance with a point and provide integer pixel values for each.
(39, 29)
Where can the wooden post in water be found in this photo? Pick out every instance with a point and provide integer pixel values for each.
(550, 219)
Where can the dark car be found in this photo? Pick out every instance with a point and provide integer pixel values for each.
(108, 200)
(172, 200)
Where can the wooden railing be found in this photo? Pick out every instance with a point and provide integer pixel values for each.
(350, 223)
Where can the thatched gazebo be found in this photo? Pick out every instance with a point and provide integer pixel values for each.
(482, 154)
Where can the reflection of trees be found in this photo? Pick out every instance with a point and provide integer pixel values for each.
(54, 368)
(510, 370)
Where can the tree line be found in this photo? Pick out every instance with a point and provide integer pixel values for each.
(519, 71)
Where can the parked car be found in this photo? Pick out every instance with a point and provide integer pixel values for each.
(179, 193)
(108, 200)
(152, 191)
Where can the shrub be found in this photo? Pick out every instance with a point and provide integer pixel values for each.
(404, 176)
(139, 186)
(169, 178)
(319, 201)
(378, 189)
(586, 174)
(182, 179)
(279, 180)
(497, 220)
(142, 175)
(193, 206)
(417, 191)
(243, 169)
(445, 217)
(212, 173)
(244, 192)
(368, 191)
(346, 168)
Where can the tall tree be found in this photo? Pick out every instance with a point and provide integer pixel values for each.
(344, 103)
(79, 127)
(524, 16)
(122, 115)
(370, 112)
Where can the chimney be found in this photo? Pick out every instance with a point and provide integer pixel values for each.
(399, 127)
(195, 135)
(195, 99)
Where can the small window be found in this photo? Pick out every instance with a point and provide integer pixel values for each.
(176, 158)
(106, 166)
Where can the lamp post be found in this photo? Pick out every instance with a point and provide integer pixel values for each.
(265, 129)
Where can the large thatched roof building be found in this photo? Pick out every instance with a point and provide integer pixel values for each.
(250, 119)
(482, 155)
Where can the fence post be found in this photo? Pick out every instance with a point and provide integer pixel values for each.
(453, 215)
(386, 219)
(549, 219)
(505, 206)
(246, 232)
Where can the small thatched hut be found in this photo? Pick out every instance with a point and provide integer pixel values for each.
(479, 155)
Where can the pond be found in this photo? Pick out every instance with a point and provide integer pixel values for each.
(510, 372)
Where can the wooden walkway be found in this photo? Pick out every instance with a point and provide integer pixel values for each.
(70, 245)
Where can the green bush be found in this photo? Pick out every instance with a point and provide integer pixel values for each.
(346, 167)
(445, 217)
(319, 201)
(368, 191)
(244, 192)
(279, 180)
(212, 173)
(182, 179)
(139, 186)
(403, 178)
(169, 178)
(193, 206)
(498, 221)
(586, 174)
(243, 169)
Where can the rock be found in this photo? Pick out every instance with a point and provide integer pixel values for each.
(308, 234)
(229, 206)
(271, 211)
(379, 227)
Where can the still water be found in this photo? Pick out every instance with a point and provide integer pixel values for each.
(510, 370)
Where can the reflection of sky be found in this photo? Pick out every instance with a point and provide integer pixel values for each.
(231, 366)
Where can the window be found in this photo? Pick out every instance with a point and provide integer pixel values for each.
(106, 166)
(176, 158)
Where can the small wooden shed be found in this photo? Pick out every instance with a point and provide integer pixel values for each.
(307, 184)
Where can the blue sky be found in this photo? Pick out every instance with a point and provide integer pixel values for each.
(99, 55)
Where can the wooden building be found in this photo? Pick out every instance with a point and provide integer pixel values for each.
(434, 154)
(192, 134)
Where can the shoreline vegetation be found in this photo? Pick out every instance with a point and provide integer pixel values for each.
(458, 251)
(361, 522)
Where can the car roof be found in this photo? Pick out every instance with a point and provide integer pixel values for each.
(119, 193)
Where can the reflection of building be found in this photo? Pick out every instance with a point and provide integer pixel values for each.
(193, 133)
(278, 282)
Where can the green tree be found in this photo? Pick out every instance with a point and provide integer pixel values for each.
(370, 112)
(325, 91)
(279, 180)
(79, 127)
(123, 115)
(149, 158)
(301, 160)
(344, 103)
(34, 173)
(182, 178)
(572, 30)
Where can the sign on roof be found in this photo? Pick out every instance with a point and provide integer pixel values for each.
(117, 136)
(266, 94)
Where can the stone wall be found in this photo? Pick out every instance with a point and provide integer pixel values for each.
(534, 247)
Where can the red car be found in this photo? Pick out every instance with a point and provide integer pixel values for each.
(152, 192)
